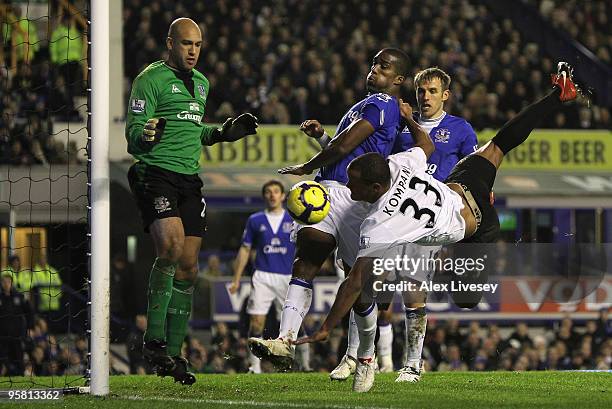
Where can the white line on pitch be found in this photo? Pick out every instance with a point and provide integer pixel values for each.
(248, 403)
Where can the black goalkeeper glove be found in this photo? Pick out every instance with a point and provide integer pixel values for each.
(237, 128)
(153, 131)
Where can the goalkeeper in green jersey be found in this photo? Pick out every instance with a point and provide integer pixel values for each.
(165, 134)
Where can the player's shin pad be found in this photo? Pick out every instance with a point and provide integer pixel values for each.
(160, 292)
(177, 318)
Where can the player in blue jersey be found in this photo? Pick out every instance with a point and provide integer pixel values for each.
(409, 206)
(371, 125)
(454, 138)
(268, 233)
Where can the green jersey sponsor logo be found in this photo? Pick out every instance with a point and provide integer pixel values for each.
(186, 115)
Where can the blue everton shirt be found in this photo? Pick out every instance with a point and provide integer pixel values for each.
(380, 110)
(453, 137)
(274, 250)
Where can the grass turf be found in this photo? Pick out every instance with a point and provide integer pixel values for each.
(295, 390)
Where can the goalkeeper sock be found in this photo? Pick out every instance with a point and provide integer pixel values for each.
(416, 324)
(516, 131)
(160, 291)
(177, 319)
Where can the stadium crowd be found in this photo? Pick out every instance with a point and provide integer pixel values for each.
(449, 346)
(588, 22)
(42, 89)
(292, 61)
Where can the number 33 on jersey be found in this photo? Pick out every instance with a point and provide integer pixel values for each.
(416, 209)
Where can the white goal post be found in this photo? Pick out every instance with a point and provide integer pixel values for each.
(99, 197)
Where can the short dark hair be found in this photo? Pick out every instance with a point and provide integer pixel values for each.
(372, 168)
(272, 183)
(429, 74)
(402, 61)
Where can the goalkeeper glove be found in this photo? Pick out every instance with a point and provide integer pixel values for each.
(237, 128)
(153, 131)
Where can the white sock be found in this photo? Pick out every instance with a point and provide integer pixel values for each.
(353, 336)
(385, 340)
(416, 325)
(297, 304)
(366, 325)
(254, 363)
(303, 356)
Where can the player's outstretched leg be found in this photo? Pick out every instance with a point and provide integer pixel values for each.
(416, 325)
(516, 131)
(366, 359)
(348, 363)
(312, 249)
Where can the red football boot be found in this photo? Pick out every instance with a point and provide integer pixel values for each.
(565, 81)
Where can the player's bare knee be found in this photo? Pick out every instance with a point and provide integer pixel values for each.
(189, 274)
(304, 269)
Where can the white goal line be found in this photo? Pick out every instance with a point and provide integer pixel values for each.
(249, 403)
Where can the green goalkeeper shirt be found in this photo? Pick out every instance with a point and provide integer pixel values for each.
(160, 91)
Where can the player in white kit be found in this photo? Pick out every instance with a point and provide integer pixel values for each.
(371, 125)
(410, 206)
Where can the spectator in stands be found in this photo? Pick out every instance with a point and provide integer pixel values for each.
(66, 53)
(15, 319)
(521, 334)
(49, 286)
(214, 267)
(21, 33)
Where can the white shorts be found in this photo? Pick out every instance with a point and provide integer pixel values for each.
(267, 288)
(343, 220)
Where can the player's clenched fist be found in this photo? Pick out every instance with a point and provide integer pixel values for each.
(312, 128)
(153, 130)
(405, 109)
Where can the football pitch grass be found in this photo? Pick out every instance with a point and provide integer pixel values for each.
(315, 390)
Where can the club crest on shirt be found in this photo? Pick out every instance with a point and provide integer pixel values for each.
(201, 91)
(442, 135)
(287, 227)
(162, 204)
(364, 242)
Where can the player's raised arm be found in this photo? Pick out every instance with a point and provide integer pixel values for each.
(338, 148)
(314, 129)
(421, 137)
(348, 292)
